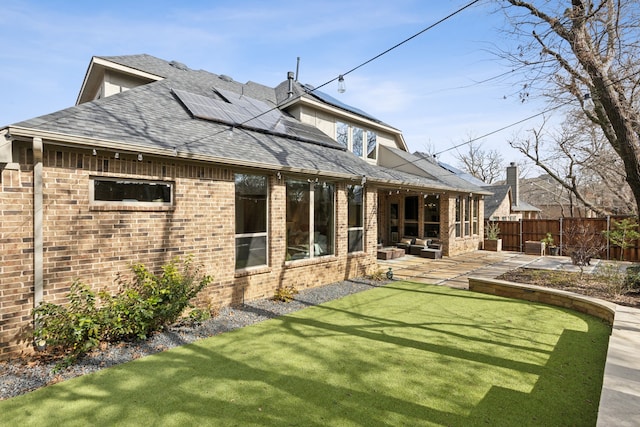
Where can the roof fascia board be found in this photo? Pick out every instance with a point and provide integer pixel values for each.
(75, 141)
(340, 112)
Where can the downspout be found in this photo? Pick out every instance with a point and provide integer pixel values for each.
(38, 282)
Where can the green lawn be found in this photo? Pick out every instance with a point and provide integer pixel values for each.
(405, 354)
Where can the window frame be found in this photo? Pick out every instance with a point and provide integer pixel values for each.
(458, 216)
(355, 229)
(467, 215)
(254, 234)
(427, 222)
(412, 221)
(475, 216)
(349, 131)
(93, 180)
(310, 252)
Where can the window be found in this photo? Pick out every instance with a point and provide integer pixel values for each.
(411, 216)
(310, 219)
(458, 215)
(467, 216)
(251, 220)
(372, 145)
(358, 140)
(356, 218)
(432, 217)
(110, 191)
(354, 138)
(474, 215)
(342, 134)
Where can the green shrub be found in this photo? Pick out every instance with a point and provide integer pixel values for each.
(142, 306)
(74, 327)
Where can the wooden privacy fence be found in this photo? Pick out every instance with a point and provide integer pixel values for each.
(565, 232)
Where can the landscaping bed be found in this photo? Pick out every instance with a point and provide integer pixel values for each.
(28, 373)
(606, 283)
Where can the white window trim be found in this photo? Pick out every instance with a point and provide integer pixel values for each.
(365, 140)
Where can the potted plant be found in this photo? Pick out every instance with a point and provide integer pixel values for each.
(492, 242)
(548, 242)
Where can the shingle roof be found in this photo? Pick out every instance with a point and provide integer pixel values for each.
(492, 202)
(437, 172)
(151, 117)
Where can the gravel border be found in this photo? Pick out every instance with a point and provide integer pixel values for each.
(19, 376)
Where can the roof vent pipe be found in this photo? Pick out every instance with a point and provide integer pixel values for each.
(290, 78)
(297, 67)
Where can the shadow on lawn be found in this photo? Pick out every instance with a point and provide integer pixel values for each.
(239, 379)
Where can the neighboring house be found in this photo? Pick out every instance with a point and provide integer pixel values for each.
(506, 204)
(266, 187)
(557, 202)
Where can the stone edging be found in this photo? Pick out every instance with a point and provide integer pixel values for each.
(621, 383)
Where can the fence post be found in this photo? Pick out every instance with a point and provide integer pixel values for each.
(520, 221)
(560, 248)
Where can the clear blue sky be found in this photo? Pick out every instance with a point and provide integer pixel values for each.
(428, 88)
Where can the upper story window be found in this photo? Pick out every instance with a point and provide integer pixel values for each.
(361, 142)
(125, 191)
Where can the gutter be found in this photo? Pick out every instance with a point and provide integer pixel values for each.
(74, 141)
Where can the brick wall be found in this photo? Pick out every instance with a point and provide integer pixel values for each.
(97, 244)
(16, 258)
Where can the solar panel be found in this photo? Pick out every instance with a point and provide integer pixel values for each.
(235, 109)
(240, 110)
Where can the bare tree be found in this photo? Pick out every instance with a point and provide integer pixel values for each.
(579, 159)
(586, 53)
(487, 166)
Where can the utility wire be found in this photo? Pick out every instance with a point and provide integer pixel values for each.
(276, 107)
(451, 15)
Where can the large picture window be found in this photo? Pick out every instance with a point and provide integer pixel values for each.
(356, 218)
(109, 191)
(310, 219)
(251, 220)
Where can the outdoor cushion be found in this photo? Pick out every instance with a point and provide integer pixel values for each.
(406, 240)
(420, 242)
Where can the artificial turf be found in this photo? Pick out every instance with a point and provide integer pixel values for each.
(403, 354)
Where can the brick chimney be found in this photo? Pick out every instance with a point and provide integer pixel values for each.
(514, 182)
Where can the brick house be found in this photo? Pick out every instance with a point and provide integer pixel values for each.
(506, 203)
(266, 187)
